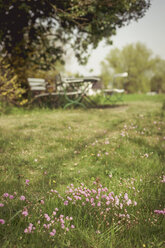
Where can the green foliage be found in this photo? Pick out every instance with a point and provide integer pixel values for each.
(10, 88)
(158, 79)
(136, 59)
(158, 83)
(37, 31)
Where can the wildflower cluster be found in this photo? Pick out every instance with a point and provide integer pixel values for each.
(52, 224)
(160, 211)
(126, 128)
(33, 215)
(99, 202)
(102, 207)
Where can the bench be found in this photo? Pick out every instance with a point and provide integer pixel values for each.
(37, 84)
(40, 87)
(114, 95)
(74, 90)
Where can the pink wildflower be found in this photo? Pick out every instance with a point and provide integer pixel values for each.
(5, 195)
(163, 181)
(47, 217)
(45, 226)
(72, 226)
(128, 216)
(65, 203)
(1, 205)
(26, 230)
(25, 213)
(129, 202)
(11, 196)
(2, 221)
(62, 226)
(122, 134)
(116, 200)
(126, 196)
(27, 181)
(53, 232)
(42, 202)
(29, 229)
(62, 221)
(22, 198)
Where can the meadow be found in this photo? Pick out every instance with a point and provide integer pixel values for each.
(84, 178)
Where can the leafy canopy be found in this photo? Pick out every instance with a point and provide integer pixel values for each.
(38, 31)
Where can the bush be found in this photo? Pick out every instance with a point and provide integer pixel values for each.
(11, 92)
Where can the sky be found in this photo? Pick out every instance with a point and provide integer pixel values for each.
(150, 30)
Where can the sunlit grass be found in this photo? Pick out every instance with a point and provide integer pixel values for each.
(120, 148)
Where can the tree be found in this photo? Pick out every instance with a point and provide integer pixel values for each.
(158, 79)
(136, 59)
(34, 31)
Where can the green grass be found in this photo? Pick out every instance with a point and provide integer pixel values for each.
(143, 97)
(117, 99)
(121, 148)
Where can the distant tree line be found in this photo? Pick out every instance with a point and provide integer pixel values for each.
(145, 71)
